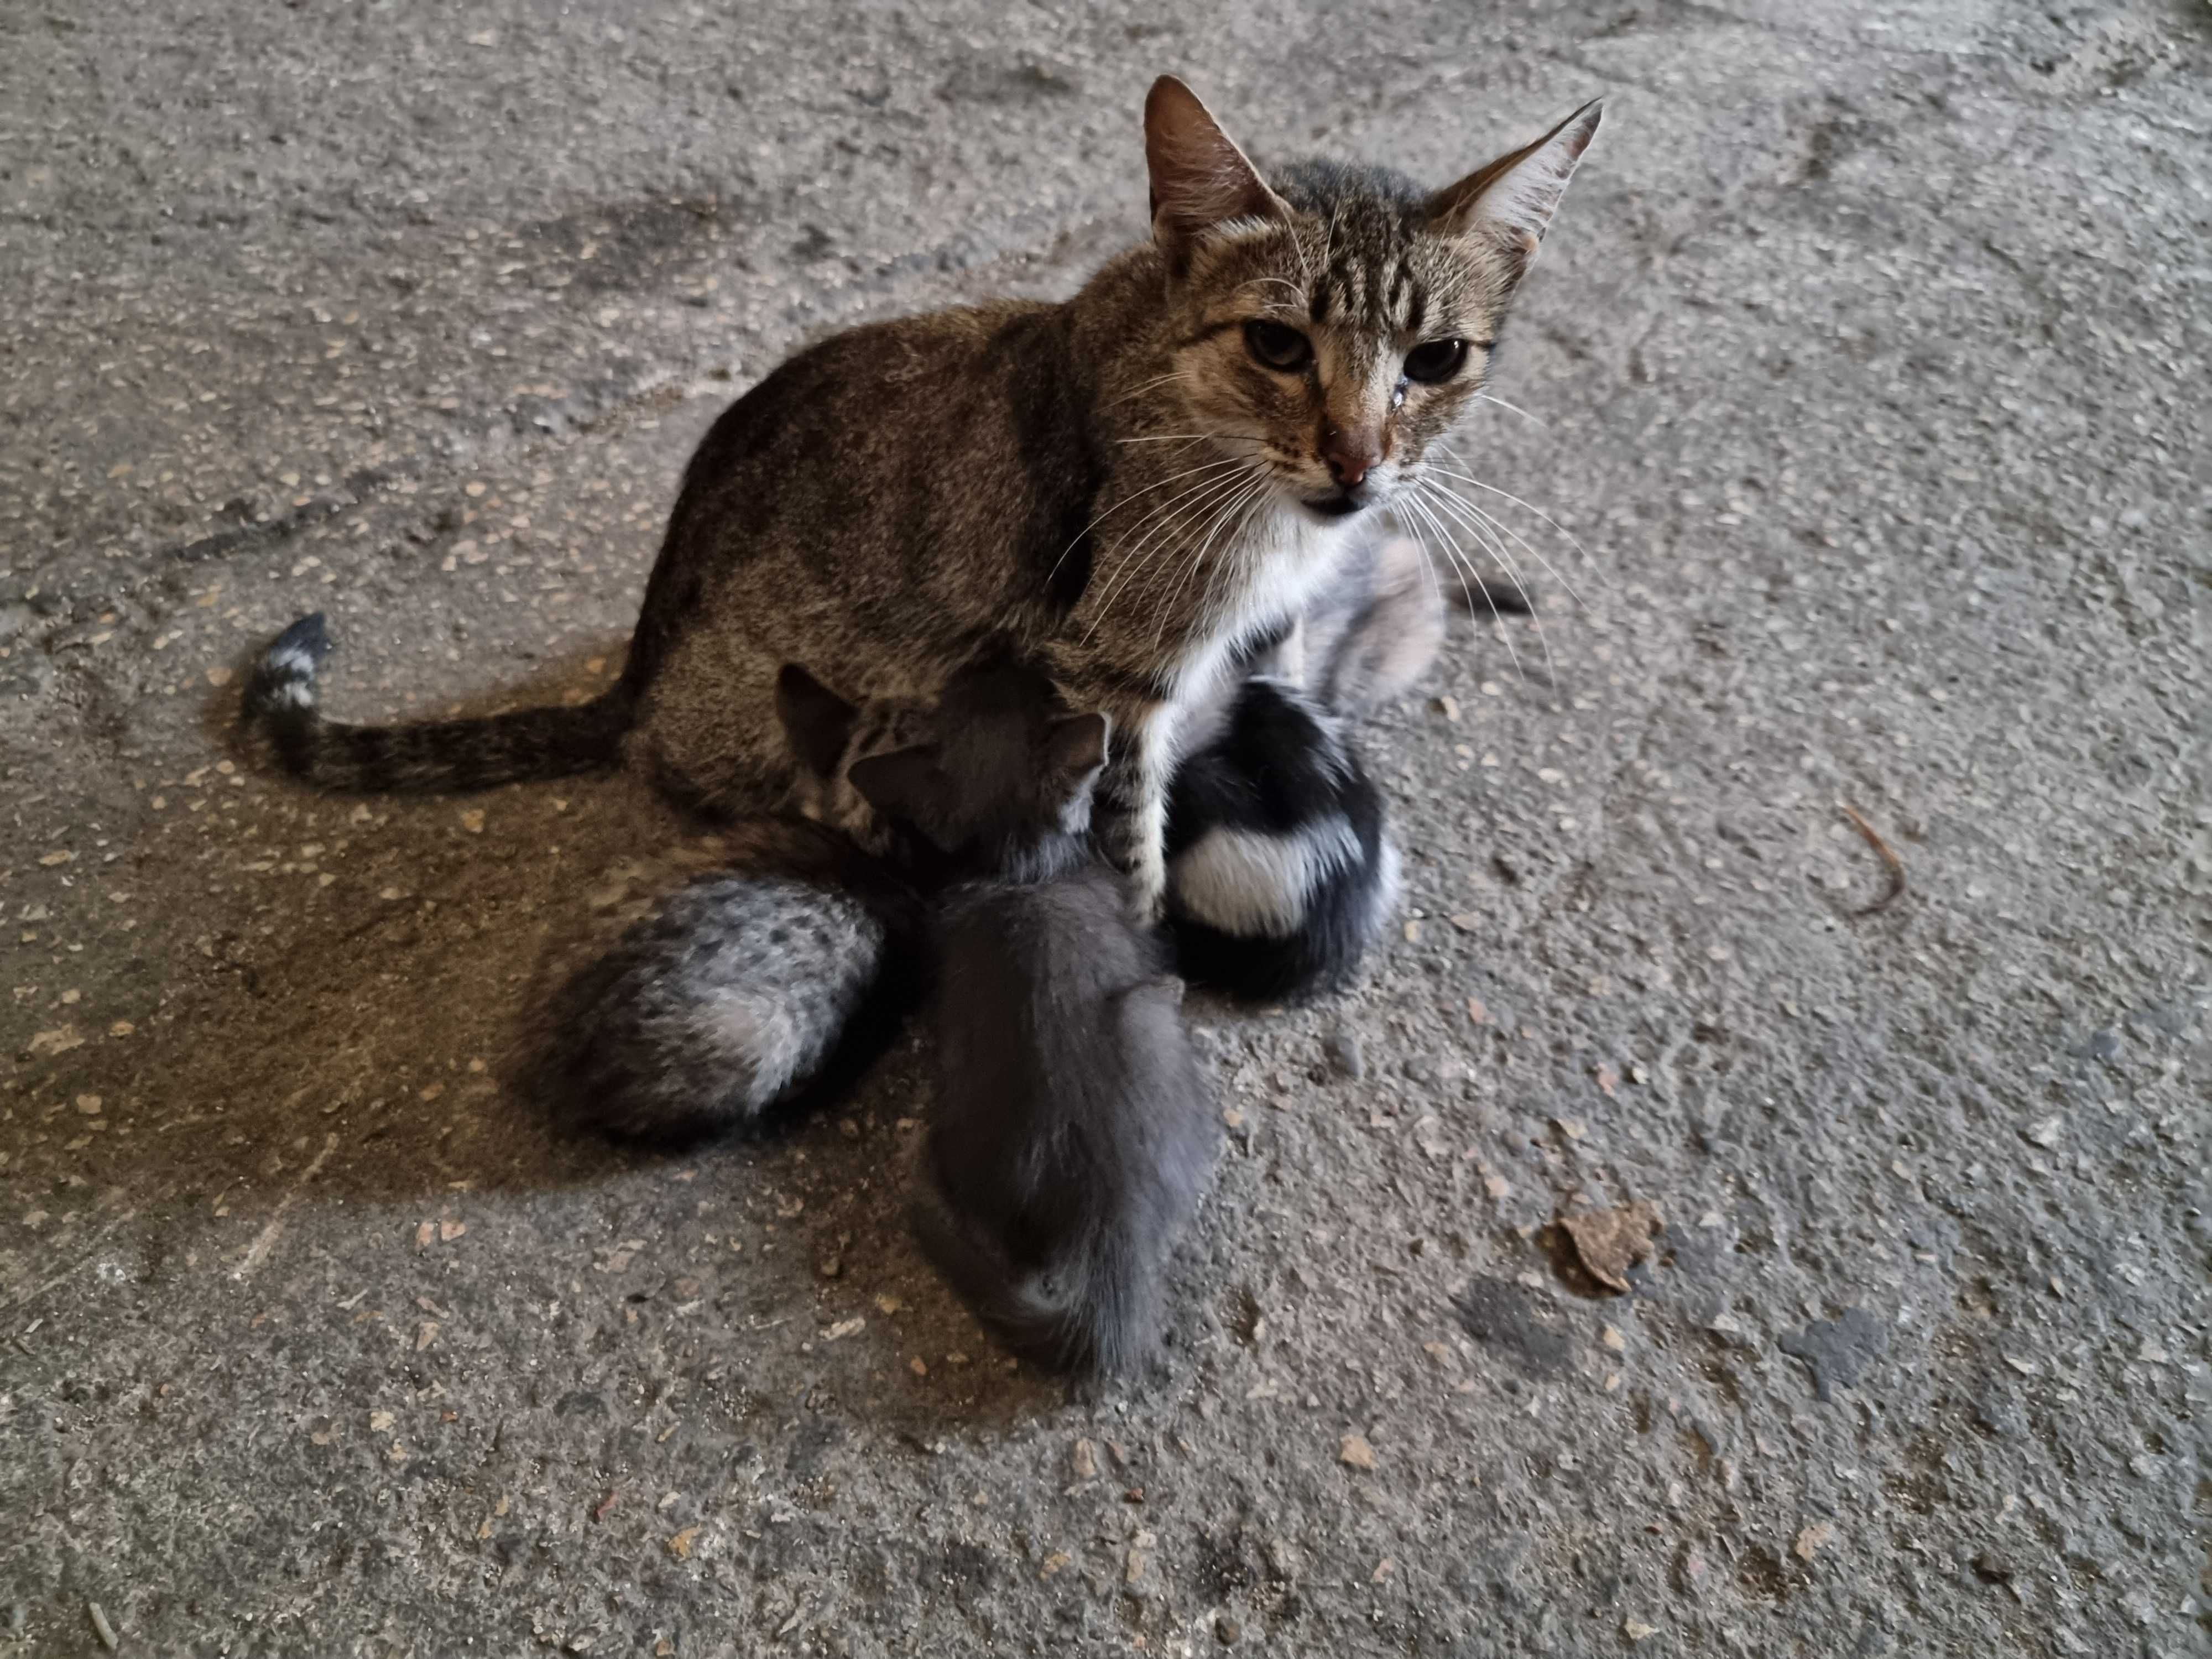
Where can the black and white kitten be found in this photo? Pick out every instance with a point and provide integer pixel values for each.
(1073, 1134)
(1282, 871)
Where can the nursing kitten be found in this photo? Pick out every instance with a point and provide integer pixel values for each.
(1281, 872)
(1073, 1133)
(728, 983)
(1131, 485)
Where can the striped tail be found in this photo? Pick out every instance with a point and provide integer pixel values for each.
(435, 755)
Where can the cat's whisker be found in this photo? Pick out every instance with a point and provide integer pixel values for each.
(1496, 549)
(1204, 490)
(1520, 541)
(1158, 380)
(1511, 409)
(1216, 465)
(1499, 527)
(1465, 477)
(1451, 551)
(1239, 506)
(1428, 564)
(1208, 491)
(1193, 437)
(1298, 297)
(1425, 524)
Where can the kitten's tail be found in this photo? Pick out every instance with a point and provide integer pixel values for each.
(525, 744)
(1100, 1317)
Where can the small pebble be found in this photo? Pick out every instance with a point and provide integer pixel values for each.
(1991, 1567)
(1356, 1452)
(1226, 1630)
(1346, 1054)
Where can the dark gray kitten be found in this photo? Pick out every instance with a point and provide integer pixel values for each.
(1073, 1133)
(1132, 486)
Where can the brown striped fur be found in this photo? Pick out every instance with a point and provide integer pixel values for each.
(1115, 486)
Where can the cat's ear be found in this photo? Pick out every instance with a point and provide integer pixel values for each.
(1511, 201)
(1075, 748)
(1200, 178)
(816, 720)
(907, 784)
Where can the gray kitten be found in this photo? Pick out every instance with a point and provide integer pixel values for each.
(1131, 485)
(1073, 1134)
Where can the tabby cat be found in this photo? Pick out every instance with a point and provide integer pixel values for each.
(1129, 487)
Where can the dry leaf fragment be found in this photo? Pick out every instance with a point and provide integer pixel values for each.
(1056, 1562)
(1610, 1242)
(1085, 1461)
(1355, 1451)
(450, 1230)
(1608, 1080)
(680, 1545)
(1812, 1539)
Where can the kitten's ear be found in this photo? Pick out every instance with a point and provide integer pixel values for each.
(816, 720)
(1514, 197)
(1200, 178)
(1076, 748)
(908, 785)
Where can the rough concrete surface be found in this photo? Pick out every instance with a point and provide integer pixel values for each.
(1865, 375)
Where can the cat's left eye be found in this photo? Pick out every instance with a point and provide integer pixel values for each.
(1434, 360)
(1277, 347)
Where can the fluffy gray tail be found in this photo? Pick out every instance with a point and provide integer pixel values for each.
(729, 1005)
(456, 755)
(1097, 1313)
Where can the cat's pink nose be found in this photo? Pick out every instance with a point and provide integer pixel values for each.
(1351, 454)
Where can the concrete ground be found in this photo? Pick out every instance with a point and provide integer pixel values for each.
(1865, 375)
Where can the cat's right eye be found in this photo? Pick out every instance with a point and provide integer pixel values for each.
(1273, 346)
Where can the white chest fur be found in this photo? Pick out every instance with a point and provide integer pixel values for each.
(1275, 567)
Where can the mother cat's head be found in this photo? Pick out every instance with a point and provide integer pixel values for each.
(1330, 325)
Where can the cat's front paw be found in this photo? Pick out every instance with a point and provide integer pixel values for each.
(1148, 893)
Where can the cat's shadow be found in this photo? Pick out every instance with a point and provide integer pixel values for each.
(339, 1028)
